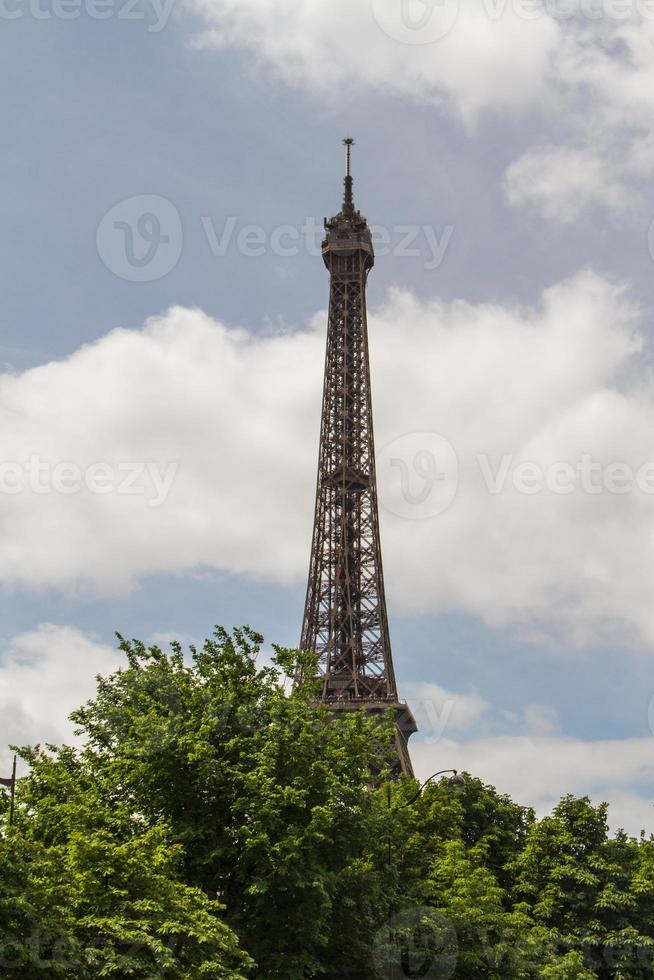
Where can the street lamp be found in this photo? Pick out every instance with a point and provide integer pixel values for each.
(456, 779)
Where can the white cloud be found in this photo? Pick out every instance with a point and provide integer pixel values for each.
(544, 385)
(482, 60)
(538, 770)
(437, 710)
(540, 719)
(44, 675)
(588, 78)
(604, 75)
(213, 403)
(439, 713)
(561, 181)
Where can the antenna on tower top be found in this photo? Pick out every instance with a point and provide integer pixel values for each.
(348, 142)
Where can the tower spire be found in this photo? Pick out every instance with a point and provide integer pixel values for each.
(348, 199)
(345, 618)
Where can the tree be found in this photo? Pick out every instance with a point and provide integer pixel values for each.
(216, 822)
(263, 797)
(452, 855)
(33, 899)
(596, 892)
(96, 904)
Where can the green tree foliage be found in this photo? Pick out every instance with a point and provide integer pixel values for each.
(596, 892)
(101, 895)
(216, 823)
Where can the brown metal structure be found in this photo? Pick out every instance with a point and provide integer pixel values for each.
(345, 618)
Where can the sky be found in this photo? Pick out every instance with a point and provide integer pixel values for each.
(166, 168)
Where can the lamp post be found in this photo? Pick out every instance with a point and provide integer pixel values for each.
(455, 780)
(10, 782)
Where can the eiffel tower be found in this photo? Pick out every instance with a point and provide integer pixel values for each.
(345, 618)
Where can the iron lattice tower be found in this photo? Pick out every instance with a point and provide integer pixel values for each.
(345, 618)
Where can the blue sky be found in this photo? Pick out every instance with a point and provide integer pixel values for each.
(516, 154)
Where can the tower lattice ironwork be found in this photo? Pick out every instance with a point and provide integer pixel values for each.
(345, 618)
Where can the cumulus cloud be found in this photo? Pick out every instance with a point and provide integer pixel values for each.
(584, 70)
(44, 675)
(524, 753)
(187, 397)
(470, 56)
(538, 770)
(603, 77)
(519, 392)
(562, 181)
(438, 710)
(468, 399)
